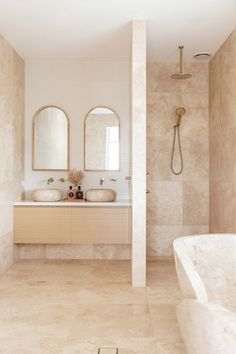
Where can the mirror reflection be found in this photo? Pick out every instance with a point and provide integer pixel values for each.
(50, 139)
(102, 140)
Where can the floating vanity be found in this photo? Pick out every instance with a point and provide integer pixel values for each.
(72, 223)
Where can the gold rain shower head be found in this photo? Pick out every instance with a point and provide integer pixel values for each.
(181, 75)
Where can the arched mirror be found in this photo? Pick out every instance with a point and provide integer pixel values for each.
(50, 139)
(102, 140)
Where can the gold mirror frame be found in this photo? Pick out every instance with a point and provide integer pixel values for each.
(68, 139)
(85, 120)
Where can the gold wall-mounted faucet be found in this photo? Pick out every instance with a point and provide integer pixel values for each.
(50, 180)
(62, 180)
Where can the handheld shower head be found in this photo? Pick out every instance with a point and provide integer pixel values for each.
(181, 75)
(180, 112)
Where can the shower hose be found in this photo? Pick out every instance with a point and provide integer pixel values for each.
(176, 132)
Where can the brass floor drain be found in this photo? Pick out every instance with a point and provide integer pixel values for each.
(108, 351)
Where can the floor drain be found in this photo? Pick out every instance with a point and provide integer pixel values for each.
(108, 351)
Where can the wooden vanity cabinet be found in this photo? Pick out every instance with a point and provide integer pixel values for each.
(66, 225)
(42, 225)
(100, 225)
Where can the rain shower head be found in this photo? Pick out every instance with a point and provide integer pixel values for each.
(181, 75)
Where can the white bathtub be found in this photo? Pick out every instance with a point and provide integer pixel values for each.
(206, 269)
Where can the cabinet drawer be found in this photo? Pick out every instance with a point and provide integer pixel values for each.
(100, 225)
(42, 224)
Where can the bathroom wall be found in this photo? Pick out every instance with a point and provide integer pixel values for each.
(176, 205)
(77, 87)
(138, 68)
(11, 144)
(223, 138)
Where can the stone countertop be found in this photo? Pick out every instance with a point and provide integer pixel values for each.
(116, 204)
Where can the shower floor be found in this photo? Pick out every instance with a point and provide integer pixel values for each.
(80, 306)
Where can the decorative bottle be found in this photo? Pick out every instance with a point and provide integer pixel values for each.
(79, 193)
(71, 193)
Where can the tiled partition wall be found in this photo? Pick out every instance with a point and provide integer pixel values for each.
(138, 120)
(11, 144)
(176, 205)
(223, 138)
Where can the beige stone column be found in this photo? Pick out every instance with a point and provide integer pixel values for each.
(138, 118)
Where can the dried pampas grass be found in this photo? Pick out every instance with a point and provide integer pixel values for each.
(75, 176)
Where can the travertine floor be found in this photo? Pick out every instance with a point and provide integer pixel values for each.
(78, 306)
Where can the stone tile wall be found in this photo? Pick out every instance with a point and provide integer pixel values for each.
(138, 160)
(11, 144)
(223, 138)
(177, 205)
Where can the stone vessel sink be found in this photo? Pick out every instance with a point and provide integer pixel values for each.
(46, 195)
(100, 195)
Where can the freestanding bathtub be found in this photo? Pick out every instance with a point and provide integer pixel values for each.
(206, 269)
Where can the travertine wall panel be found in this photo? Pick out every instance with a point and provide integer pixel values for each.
(177, 205)
(11, 144)
(138, 118)
(223, 138)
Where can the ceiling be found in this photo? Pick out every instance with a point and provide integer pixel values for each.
(99, 30)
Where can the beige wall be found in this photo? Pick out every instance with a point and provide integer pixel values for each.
(11, 144)
(223, 138)
(177, 205)
(138, 163)
(77, 87)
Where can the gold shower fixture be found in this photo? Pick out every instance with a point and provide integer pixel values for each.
(180, 112)
(181, 75)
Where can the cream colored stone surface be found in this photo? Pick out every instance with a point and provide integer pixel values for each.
(138, 121)
(223, 137)
(168, 201)
(161, 237)
(206, 268)
(76, 251)
(100, 195)
(177, 205)
(197, 213)
(46, 195)
(79, 306)
(11, 144)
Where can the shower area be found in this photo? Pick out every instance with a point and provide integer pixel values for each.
(177, 152)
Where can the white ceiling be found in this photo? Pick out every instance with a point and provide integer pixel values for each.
(99, 30)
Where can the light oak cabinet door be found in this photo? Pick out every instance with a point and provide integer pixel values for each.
(42, 224)
(100, 225)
